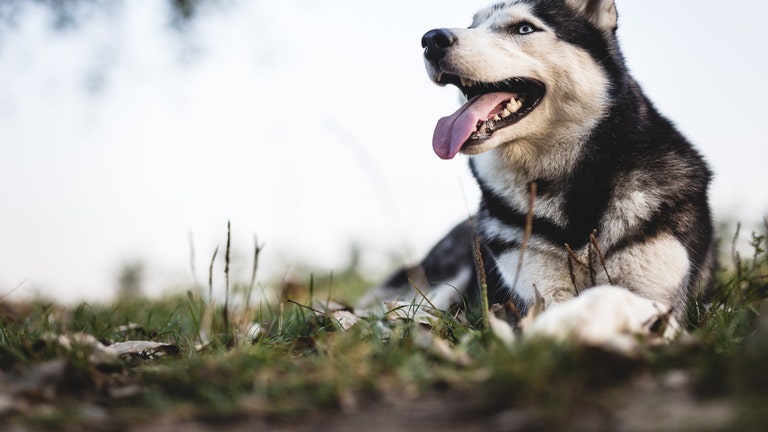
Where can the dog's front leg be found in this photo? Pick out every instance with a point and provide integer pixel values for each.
(540, 272)
(657, 269)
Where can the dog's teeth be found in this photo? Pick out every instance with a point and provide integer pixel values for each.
(505, 113)
(496, 118)
(466, 82)
(514, 105)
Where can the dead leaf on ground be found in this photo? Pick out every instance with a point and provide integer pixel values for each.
(344, 315)
(145, 350)
(405, 311)
(346, 319)
(99, 353)
(331, 306)
(103, 355)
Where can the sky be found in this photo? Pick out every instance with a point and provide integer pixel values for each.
(307, 125)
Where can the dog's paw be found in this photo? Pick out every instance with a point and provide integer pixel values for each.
(609, 317)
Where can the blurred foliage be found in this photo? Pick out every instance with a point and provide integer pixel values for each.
(130, 280)
(68, 14)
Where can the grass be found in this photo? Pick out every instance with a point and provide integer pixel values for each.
(303, 365)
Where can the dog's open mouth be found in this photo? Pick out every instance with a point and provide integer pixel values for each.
(491, 107)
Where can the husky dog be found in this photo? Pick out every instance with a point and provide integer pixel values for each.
(583, 182)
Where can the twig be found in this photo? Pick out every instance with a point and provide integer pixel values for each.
(591, 262)
(527, 233)
(415, 286)
(573, 256)
(571, 259)
(306, 307)
(572, 273)
(593, 241)
(539, 304)
(510, 306)
(20, 284)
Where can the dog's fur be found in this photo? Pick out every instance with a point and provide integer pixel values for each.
(620, 195)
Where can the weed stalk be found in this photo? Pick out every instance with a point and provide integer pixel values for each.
(483, 285)
(256, 253)
(211, 311)
(228, 333)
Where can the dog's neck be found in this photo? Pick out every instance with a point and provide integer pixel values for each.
(524, 161)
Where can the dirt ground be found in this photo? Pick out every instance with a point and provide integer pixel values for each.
(645, 404)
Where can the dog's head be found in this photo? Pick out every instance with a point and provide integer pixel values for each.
(529, 68)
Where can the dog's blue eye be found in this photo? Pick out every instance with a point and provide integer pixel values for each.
(525, 28)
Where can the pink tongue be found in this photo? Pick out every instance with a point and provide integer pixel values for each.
(453, 131)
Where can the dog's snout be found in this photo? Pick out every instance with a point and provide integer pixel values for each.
(436, 43)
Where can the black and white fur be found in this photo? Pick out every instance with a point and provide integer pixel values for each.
(603, 159)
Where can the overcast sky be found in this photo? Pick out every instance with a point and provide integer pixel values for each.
(307, 123)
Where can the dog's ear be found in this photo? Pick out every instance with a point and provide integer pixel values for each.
(601, 13)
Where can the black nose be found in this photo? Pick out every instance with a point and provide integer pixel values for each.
(436, 43)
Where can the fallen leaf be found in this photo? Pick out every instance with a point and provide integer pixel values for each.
(341, 313)
(101, 354)
(330, 306)
(345, 319)
(146, 350)
(419, 313)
